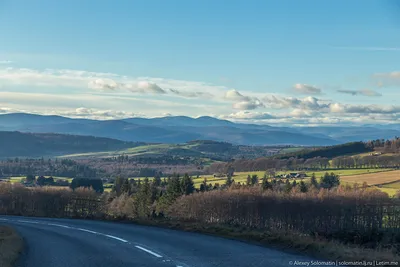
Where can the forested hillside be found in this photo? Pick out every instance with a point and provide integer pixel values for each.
(350, 155)
(17, 144)
(330, 151)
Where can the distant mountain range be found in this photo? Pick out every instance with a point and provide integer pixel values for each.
(181, 129)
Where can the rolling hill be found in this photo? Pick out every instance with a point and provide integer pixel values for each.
(200, 149)
(17, 144)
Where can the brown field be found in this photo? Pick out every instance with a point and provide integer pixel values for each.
(373, 178)
(11, 245)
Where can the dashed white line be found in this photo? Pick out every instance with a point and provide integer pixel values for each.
(149, 251)
(60, 225)
(117, 238)
(89, 231)
(92, 232)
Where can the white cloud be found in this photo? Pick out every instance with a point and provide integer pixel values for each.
(107, 82)
(4, 110)
(303, 113)
(234, 95)
(192, 94)
(364, 92)
(5, 62)
(248, 105)
(145, 87)
(81, 112)
(55, 78)
(363, 109)
(42, 103)
(306, 89)
(247, 115)
(98, 113)
(115, 99)
(243, 102)
(279, 102)
(103, 84)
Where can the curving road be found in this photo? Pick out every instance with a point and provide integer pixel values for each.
(82, 243)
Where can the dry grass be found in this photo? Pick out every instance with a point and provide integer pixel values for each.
(372, 178)
(11, 245)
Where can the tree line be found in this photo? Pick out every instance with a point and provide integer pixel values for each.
(321, 207)
(390, 145)
(298, 164)
(47, 167)
(328, 152)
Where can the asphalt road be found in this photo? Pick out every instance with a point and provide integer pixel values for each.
(84, 243)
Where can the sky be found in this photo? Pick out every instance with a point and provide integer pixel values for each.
(277, 62)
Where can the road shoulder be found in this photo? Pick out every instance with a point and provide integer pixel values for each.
(11, 246)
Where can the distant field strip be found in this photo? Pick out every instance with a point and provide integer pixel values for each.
(18, 179)
(373, 178)
(348, 172)
(146, 149)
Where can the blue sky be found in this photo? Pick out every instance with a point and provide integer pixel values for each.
(276, 62)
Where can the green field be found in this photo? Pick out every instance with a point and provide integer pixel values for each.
(390, 188)
(377, 178)
(344, 173)
(134, 151)
(348, 172)
(390, 191)
(395, 185)
(18, 179)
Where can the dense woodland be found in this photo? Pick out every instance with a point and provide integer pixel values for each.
(17, 144)
(329, 152)
(49, 167)
(318, 163)
(388, 146)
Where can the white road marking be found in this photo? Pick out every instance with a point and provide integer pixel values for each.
(86, 230)
(60, 225)
(92, 232)
(149, 251)
(117, 238)
(80, 229)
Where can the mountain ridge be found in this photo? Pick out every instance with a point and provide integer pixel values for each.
(181, 129)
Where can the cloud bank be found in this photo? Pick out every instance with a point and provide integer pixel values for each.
(306, 89)
(108, 95)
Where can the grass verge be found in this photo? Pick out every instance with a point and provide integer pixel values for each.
(11, 245)
(292, 242)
